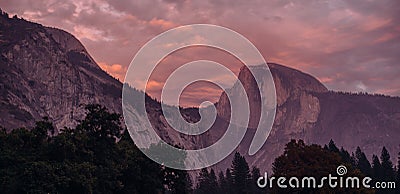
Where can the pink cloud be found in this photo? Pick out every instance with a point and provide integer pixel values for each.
(385, 37)
(117, 70)
(163, 24)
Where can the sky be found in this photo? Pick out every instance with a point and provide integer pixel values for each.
(347, 45)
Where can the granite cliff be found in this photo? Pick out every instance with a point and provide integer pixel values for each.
(46, 72)
(307, 110)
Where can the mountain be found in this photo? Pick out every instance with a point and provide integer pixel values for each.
(46, 72)
(307, 110)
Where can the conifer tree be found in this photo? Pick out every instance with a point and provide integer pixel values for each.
(213, 182)
(255, 174)
(240, 174)
(222, 184)
(387, 166)
(346, 157)
(376, 168)
(332, 146)
(229, 180)
(207, 182)
(362, 162)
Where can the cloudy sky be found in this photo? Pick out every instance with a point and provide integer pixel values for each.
(347, 45)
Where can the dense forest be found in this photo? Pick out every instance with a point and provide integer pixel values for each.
(87, 159)
(301, 160)
(95, 157)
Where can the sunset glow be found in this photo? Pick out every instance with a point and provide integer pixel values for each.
(347, 45)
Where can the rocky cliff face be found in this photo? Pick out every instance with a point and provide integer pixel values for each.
(297, 111)
(46, 72)
(290, 85)
(307, 110)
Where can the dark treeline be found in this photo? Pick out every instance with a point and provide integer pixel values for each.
(89, 159)
(239, 178)
(301, 160)
(342, 93)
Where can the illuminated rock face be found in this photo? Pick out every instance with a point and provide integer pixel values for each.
(307, 110)
(297, 111)
(46, 72)
(290, 85)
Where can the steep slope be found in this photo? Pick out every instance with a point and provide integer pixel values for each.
(46, 72)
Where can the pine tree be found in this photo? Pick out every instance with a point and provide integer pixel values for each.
(387, 166)
(332, 146)
(229, 181)
(241, 174)
(346, 158)
(207, 182)
(222, 184)
(255, 174)
(376, 168)
(362, 162)
(213, 182)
